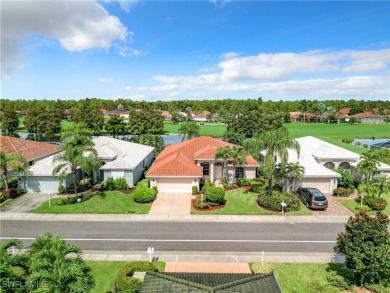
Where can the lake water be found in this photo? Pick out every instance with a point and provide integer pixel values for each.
(369, 141)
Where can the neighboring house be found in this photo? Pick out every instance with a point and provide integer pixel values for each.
(190, 163)
(120, 159)
(301, 117)
(31, 151)
(166, 115)
(22, 112)
(369, 117)
(124, 114)
(207, 282)
(319, 158)
(67, 113)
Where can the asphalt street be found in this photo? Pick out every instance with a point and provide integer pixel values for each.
(182, 236)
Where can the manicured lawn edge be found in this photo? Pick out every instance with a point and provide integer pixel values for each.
(5, 202)
(351, 204)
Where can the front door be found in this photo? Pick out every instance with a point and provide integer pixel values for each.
(218, 172)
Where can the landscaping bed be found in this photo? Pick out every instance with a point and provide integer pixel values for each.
(209, 208)
(354, 204)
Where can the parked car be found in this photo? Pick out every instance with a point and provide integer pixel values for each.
(313, 198)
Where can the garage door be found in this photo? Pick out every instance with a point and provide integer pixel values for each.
(174, 185)
(322, 184)
(41, 184)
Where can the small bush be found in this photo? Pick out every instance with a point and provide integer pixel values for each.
(121, 184)
(273, 202)
(206, 185)
(124, 281)
(85, 182)
(365, 145)
(194, 189)
(155, 189)
(215, 196)
(377, 204)
(144, 194)
(257, 268)
(378, 288)
(2, 185)
(363, 208)
(109, 184)
(243, 182)
(341, 191)
(67, 201)
(13, 182)
(9, 193)
(201, 203)
(225, 183)
(347, 140)
(143, 183)
(337, 281)
(61, 188)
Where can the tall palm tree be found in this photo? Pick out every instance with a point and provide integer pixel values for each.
(60, 266)
(238, 156)
(383, 184)
(303, 107)
(368, 164)
(296, 172)
(189, 129)
(13, 160)
(223, 153)
(275, 143)
(77, 141)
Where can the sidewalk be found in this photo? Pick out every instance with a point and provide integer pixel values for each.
(173, 218)
(214, 257)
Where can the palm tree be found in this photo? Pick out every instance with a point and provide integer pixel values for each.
(319, 109)
(14, 160)
(275, 143)
(296, 171)
(238, 156)
(383, 184)
(303, 107)
(77, 141)
(366, 189)
(189, 129)
(368, 164)
(60, 266)
(224, 154)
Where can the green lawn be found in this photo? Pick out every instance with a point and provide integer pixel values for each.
(109, 202)
(105, 272)
(239, 203)
(304, 277)
(209, 129)
(351, 204)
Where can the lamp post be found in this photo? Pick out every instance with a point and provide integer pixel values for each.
(150, 251)
(284, 205)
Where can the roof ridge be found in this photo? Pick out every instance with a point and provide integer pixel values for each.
(12, 143)
(242, 281)
(180, 281)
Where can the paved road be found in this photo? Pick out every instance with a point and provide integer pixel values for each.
(183, 236)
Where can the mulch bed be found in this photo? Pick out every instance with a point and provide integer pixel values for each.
(245, 187)
(210, 208)
(127, 191)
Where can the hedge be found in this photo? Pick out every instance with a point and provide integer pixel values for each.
(341, 191)
(124, 281)
(144, 194)
(377, 204)
(215, 195)
(273, 202)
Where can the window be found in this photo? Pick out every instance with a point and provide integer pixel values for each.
(345, 166)
(240, 172)
(376, 174)
(329, 165)
(101, 174)
(206, 169)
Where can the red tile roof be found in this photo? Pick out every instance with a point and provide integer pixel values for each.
(179, 159)
(28, 149)
(297, 115)
(164, 113)
(344, 111)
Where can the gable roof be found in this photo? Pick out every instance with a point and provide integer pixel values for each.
(124, 154)
(179, 159)
(208, 282)
(28, 149)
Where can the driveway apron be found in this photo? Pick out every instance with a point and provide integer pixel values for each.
(171, 204)
(26, 203)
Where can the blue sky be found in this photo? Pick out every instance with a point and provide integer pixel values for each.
(160, 50)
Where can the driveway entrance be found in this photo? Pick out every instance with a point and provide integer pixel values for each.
(171, 204)
(26, 203)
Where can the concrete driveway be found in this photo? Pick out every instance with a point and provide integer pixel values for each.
(171, 204)
(26, 203)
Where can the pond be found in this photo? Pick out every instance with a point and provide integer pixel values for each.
(369, 141)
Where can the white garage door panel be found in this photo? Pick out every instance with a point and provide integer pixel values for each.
(174, 185)
(322, 184)
(42, 184)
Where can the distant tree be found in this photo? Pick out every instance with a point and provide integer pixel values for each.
(365, 244)
(152, 140)
(383, 155)
(33, 120)
(303, 107)
(61, 267)
(13, 160)
(90, 114)
(189, 129)
(148, 121)
(9, 120)
(176, 117)
(116, 125)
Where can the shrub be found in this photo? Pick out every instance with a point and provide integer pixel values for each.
(377, 204)
(243, 182)
(155, 189)
(365, 145)
(109, 184)
(225, 183)
(337, 281)
(201, 203)
(9, 193)
(88, 195)
(143, 183)
(347, 140)
(206, 185)
(2, 185)
(346, 179)
(257, 268)
(13, 182)
(194, 189)
(124, 281)
(121, 184)
(378, 288)
(273, 202)
(215, 195)
(85, 182)
(61, 188)
(363, 208)
(341, 191)
(67, 201)
(144, 194)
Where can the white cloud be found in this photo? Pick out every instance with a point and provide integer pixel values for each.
(134, 98)
(126, 51)
(125, 5)
(219, 3)
(129, 88)
(77, 25)
(106, 79)
(229, 55)
(361, 73)
(141, 89)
